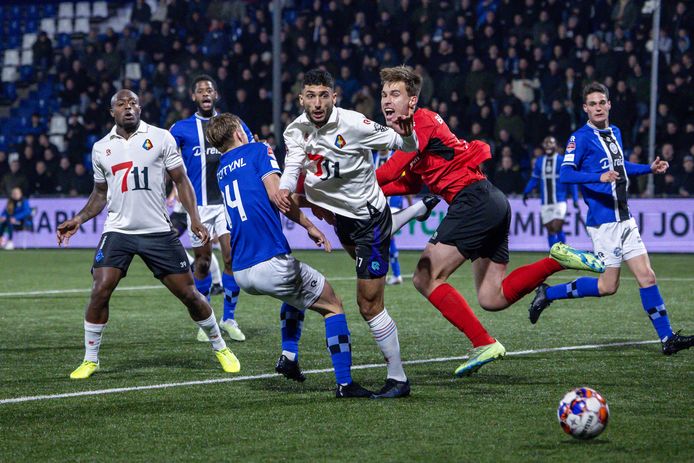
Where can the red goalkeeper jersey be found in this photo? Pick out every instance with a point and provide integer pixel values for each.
(444, 163)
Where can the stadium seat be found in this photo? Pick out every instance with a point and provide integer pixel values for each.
(82, 25)
(31, 11)
(26, 74)
(66, 10)
(16, 12)
(31, 25)
(48, 26)
(59, 141)
(58, 125)
(133, 71)
(27, 57)
(9, 74)
(13, 41)
(64, 40)
(28, 40)
(11, 58)
(83, 10)
(49, 10)
(100, 10)
(10, 91)
(65, 26)
(14, 27)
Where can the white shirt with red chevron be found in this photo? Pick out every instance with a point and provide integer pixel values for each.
(135, 171)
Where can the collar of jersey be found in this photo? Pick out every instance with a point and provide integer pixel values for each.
(592, 127)
(142, 128)
(332, 120)
(197, 116)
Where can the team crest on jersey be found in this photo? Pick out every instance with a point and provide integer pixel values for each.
(572, 145)
(148, 144)
(613, 148)
(340, 141)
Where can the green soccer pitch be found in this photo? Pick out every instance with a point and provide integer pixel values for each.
(505, 412)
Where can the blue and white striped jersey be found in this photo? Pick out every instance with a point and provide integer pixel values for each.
(593, 151)
(201, 160)
(546, 177)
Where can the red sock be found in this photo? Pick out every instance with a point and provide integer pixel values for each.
(455, 308)
(528, 277)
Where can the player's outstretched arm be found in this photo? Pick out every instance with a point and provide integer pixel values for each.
(95, 204)
(272, 184)
(569, 174)
(186, 195)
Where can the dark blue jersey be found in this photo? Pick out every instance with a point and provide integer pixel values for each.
(254, 221)
(593, 151)
(200, 158)
(546, 177)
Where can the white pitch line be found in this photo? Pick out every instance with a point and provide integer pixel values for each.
(117, 390)
(149, 287)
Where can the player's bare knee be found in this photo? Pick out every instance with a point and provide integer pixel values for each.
(202, 265)
(421, 279)
(608, 287)
(647, 278)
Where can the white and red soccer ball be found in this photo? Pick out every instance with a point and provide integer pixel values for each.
(583, 413)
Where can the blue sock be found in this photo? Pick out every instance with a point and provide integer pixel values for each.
(655, 308)
(291, 322)
(394, 263)
(204, 285)
(581, 287)
(551, 239)
(231, 296)
(561, 237)
(340, 347)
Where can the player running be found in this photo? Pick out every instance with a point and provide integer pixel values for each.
(248, 176)
(129, 165)
(335, 146)
(595, 159)
(553, 193)
(475, 227)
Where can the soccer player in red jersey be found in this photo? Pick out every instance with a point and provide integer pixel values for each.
(476, 226)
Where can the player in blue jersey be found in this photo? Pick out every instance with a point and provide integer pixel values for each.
(248, 176)
(201, 163)
(553, 193)
(396, 204)
(594, 159)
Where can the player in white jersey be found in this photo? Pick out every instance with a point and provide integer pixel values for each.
(130, 164)
(335, 146)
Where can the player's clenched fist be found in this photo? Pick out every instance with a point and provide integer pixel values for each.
(659, 166)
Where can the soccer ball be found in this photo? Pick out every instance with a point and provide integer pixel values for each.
(583, 413)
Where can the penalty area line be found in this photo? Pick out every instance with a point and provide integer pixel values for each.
(117, 390)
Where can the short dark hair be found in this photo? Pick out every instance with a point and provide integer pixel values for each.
(595, 87)
(318, 77)
(202, 78)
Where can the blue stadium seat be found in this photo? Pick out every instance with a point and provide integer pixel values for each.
(49, 10)
(13, 40)
(14, 27)
(91, 139)
(31, 11)
(10, 91)
(26, 73)
(64, 40)
(16, 12)
(45, 89)
(87, 160)
(31, 25)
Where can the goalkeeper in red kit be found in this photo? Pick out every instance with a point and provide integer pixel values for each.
(476, 226)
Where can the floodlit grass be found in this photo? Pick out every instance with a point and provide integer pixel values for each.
(506, 412)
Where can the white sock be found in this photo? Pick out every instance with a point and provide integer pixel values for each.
(385, 333)
(92, 340)
(401, 217)
(290, 355)
(211, 329)
(215, 271)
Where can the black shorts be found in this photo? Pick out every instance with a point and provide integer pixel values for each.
(371, 240)
(477, 223)
(163, 253)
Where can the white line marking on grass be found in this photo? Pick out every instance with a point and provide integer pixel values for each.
(149, 287)
(117, 390)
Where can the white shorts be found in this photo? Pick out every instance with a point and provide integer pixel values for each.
(284, 278)
(213, 218)
(616, 242)
(549, 212)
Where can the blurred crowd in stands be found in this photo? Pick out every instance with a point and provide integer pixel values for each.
(509, 72)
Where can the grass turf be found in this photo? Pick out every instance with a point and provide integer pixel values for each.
(506, 412)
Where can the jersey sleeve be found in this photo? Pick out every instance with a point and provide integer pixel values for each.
(535, 177)
(265, 162)
(374, 136)
(99, 174)
(249, 134)
(172, 156)
(294, 160)
(574, 152)
(175, 131)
